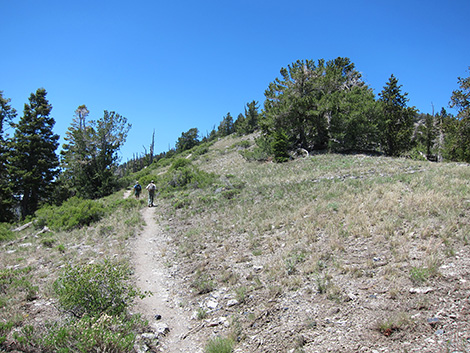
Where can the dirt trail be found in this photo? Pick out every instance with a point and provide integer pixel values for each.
(152, 275)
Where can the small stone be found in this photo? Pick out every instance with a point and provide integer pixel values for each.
(148, 336)
(439, 332)
(212, 304)
(258, 268)
(158, 317)
(421, 290)
(161, 329)
(433, 321)
(232, 302)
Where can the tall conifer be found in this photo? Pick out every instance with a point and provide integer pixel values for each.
(396, 123)
(34, 162)
(7, 114)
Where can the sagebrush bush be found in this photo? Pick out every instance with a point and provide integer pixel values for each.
(73, 213)
(96, 289)
(182, 175)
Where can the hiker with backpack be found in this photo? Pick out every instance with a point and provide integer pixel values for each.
(151, 188)
(137, 189)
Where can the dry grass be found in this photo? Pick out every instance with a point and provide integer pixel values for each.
(330, 229)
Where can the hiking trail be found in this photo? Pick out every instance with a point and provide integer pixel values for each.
(152, 275)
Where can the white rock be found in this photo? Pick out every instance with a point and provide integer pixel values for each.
(258, 268)
(232, 302)
(212, 304)
(421, 290)
(161, 328)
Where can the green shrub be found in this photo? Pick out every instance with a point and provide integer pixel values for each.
(5, 232)
(13, 281)
(93, 334)
(242, 144)
(180, 163)
(220, 345)
(73, 213)
(96, 289)
(183, 175)
(419, 275)
(48, 242)
(261, 152)
(203, 283)
(279, 146)
(200, 150)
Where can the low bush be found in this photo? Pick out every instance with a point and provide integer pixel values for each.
(261, 152)
(96, 289)
(103, 333)
(14, 281)
(73, 213)
(5, 232)
(183, 175)
(220, 345)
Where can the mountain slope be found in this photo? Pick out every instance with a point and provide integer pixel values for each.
(325, 253)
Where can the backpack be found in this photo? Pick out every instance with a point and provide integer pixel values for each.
(138, 187)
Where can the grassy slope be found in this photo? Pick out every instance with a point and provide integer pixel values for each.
(326, 252)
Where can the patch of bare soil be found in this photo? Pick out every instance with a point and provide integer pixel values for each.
(164, 309)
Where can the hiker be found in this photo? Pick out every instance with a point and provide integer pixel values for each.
(151, 188)
(137, 189)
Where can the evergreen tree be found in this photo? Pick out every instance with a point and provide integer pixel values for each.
(7, 114)
(291, 106)
(187, 140)
(239, 124)
(251, 117)
(90, 154)
(460, 100)
(248, 123)
(353, 126)
(312, 102)
(396, 123)
(279, 147)
(226, 126)
(33, 162)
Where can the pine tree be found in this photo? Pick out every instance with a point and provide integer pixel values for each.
(248, 123)
(89, 156)
(396, 123)
(187, 140)
(34, 162)
(311, 100)
(226, 126)
(460, 100)
(7, 114)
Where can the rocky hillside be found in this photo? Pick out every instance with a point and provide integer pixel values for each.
(328, 253)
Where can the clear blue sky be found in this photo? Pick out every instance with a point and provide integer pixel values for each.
(175, 65)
